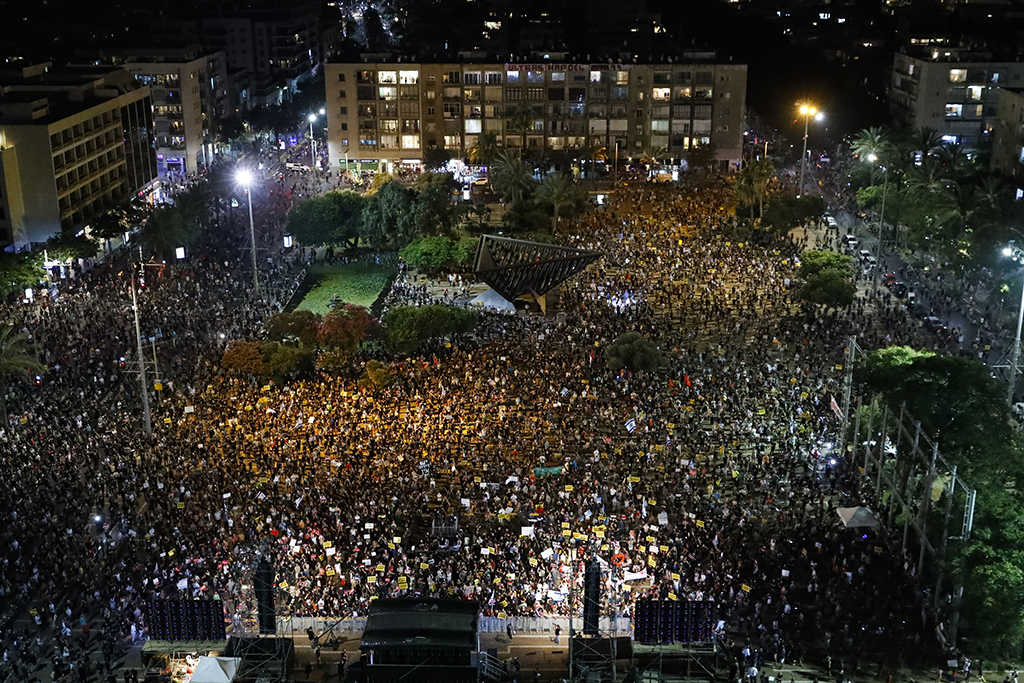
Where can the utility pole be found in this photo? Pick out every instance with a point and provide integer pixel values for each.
(143, 384)
(851, 356)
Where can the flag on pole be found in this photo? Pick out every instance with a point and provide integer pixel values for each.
(631, 425)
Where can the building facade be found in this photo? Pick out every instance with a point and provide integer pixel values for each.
(271, 41)
(1008, 137)
(72, 145)
(190, 93)
(950, 91)
(391, 112)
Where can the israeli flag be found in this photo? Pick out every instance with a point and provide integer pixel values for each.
(631, 425)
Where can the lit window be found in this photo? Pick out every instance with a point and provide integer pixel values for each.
(408, 77)
(662, 93)
(410, 142)
(595, 76)
(534, 76)
(974, 92)
(958, 75)
(451, 141)
(622, 78)
(557, 76)
(387, 92)
(387, 77)
(473, 126)
(512, 76)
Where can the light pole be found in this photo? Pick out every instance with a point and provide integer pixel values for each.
(1016, 254)
(881, 219)
(143, 384)
(245, 177)
(312, 141)
(807, 111)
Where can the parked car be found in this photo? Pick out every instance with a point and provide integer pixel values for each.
(830, 220)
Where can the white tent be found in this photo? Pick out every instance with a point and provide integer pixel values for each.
(215, 670)
(857, 517)
(491, 299)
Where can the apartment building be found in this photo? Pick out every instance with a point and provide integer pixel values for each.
(72, 144)
(269, 40)
(190, 92)
(391, 112)
(1008, 137)
(952, 91)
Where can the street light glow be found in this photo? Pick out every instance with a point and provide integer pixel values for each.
(819, 116)
(1007, 251)
(872, 158)
(312, 118)
(244, 176)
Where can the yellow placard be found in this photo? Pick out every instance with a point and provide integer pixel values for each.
(568, 487)
(651, 561)
(651, 501)
(371, 579)
(329, 572)
(424, 565)
(746, 588)
(633, 480)
(675, 577)
(700, 523)
(566, 532)
(533, 561)
(181, 505)
(672, 596)
(565, 525)
(380, 568)
(651, 539)
(663, 548)
(328, 544)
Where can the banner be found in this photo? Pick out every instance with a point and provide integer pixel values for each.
(546, 471)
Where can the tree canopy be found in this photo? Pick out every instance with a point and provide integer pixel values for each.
(406, 328)
(331, 218)
(633, 351)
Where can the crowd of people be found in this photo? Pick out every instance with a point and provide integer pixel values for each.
(491, 469)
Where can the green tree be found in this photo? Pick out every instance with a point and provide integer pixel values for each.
(164, 231)
(633, 351)
(281, 360)
(785, 212)
(19, 270)
(432, 206)
(519, 122)
(406, 328)
(700, 157)
(16, 363)
(331, 218)
(430, 253)
(388, 216)
(295, 327)
(564, 196)
(377, 375)
(813, 262)
(955, 398)
(485, 149)
(511, 177)
(828, 288)
(436, 158)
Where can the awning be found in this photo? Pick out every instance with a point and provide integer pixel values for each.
(215, 670)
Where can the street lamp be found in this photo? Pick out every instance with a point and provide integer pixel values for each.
(881, 219)
(245, 177)
(1015, 254)
(312, 140)
(807, 111)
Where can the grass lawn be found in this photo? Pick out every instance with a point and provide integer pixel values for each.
(353, 283)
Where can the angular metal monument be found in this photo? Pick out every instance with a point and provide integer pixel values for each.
(521, 269)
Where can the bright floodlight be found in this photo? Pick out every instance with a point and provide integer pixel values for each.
(244, 176)
(819, 116)
(872, 158)
(312, 118)
(1007, 251)
(322, 111)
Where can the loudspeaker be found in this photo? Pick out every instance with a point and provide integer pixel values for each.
(591, 598)
(263, 583)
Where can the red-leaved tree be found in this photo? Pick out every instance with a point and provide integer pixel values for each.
(345, 328)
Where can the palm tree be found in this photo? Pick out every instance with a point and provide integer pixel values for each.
(650, 157)
(870, 141)
(520, 122)
(15, 363)
(559, 191)
(164, 231)
(955, 159)
(486, 147)
(512, 177)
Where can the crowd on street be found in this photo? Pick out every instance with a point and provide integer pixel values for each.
(493, 468)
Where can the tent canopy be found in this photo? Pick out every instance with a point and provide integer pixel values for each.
(215, 670)
(857, 517)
